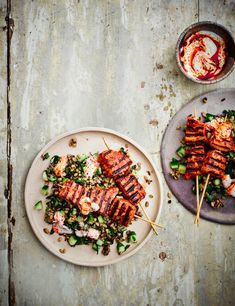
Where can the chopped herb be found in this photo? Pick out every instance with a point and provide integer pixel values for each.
(123, 150)
(45, 156)
(53, 178)
(45, 190)
(82, 158)
(55, 159)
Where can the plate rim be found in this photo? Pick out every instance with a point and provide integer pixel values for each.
(124, 137)
(190, 209)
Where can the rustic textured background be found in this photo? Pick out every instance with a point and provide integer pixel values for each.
(102, 63)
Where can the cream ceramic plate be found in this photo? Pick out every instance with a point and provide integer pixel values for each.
(90, 140)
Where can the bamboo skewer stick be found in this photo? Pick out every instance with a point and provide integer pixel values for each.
(105, 143)
(197, 183)
(201, 201)
(151, 222)
(197, 192)
(142, 207)
(146, 214)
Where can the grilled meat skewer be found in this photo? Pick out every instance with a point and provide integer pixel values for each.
(214, 163)
(195, 156)
(131, 188)
(105, 200)
(194, 131)
(114, 163)
(117, 165)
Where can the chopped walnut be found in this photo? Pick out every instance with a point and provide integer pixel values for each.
(147, 180)
(73, 142)
(169, 195)
(217, 203)
(46, 230)
(175, 175)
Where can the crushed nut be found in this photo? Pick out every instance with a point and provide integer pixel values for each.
(203, 114)
(147, 180)
(73, 142)
(146, 204)
(217, 203)
(178, 128)
(150, 196)
(46, 230)
(175, 175)
(204, 100)
(169, 195)
(59, 239)
(62, 251)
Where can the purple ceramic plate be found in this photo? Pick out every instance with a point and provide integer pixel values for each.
(217, 101)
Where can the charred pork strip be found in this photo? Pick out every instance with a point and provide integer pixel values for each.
(130, 213)
(122, 211)
(72, 192)
(195, 156)
(65, 189)
(222, 145)
(131, 188)
(108, 199)
(214, 164)
(114, 163)
(103, 197)
(194, 131)
(78, 194)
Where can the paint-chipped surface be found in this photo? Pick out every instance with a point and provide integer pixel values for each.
(109, 64)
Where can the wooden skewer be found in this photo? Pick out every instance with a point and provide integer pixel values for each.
(197, 183)
(197, 192)
(202, 198)
(105, 143)
(151, 222)
(146, 214)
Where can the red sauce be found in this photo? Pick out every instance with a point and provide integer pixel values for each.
(206, 67)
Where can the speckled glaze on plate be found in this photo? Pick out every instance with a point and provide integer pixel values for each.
(90, 140)
(217, 101)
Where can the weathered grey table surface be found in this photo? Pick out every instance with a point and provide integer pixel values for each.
(73, 64)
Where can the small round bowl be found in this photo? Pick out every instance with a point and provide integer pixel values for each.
(230, 48)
